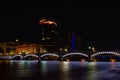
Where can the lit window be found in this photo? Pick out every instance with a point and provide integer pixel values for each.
(48, 38)
(52, 31)
(43, 38)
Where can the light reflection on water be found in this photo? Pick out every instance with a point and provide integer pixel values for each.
(44, 67)
(91, 73)
(55, 70)
(112, 65)
(64, 70)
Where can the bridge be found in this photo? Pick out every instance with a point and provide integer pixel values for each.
(87, 56)
(106, 56)
(42, 56)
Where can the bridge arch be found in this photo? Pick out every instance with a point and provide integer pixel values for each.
(49, 54)
(82, 54)
(31, 55)
(20, 56)
(105, 52)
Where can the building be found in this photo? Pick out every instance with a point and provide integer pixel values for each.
(78, 44)
(8, 48)
(12, 48)
(70, 42)
(28, 48)
(48, 34)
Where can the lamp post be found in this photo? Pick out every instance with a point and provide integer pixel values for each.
(89, 53)
(61, 54)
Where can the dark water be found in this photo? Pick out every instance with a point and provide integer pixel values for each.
(55, 70)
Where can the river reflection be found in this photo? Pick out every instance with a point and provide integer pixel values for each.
(58, 70)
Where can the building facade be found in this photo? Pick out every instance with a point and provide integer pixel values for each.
(8, 48)
(48, 34)
(71, 42)
(30, 49)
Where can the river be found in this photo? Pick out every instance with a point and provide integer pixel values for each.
(58, 70)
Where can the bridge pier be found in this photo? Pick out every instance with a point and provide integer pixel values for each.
(60, 57)
(39, 57)
(89, 57)
(22, 57)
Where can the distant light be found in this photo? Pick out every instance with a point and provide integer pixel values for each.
(44, 21)
(95, 60)
(93, 48)
(66, 49)
(44, 51)
(89, 47)
(17, 40)
(68, 60)
(83, 60)
(60, 49)
(43, 38)
(52, 31)
(48, 38)
(112, 60)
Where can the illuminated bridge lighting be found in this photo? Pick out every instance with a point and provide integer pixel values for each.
(49, 54)
(75, 54)
(17, 56)
(32, 55)
(106, 52)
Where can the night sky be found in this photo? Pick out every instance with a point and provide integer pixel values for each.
(96, 24)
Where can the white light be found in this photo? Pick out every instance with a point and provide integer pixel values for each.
(89, 47)
(66, 50)
(43, 38)
(60, 49)
(107, 52)
(17, 56)
(31, 55)
(75, 54)
(17, 40)
(48, 54)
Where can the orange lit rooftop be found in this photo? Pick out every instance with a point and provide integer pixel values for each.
(44, 21)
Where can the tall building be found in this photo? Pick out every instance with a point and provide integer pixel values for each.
(71, 42)
(48, 34)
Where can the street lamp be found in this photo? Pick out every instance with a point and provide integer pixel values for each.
(93, 49)
(66, 49)
(60, 49)
(89, 47)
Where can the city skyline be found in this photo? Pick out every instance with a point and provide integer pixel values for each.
(96, 24)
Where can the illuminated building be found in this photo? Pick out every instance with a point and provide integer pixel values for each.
(12, 48)
(71, 42)
(48, 34)
(29, 49)
(8, 48)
